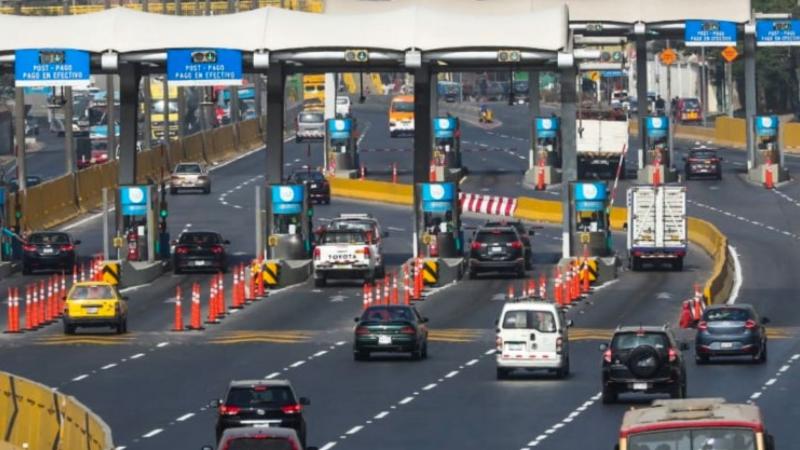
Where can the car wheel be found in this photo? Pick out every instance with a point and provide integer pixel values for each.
(502, 373)
(173, 191)
(563, 372)
(69, 329)
(425, 350)
(636, 264)
(319, 282)
(701, 359)
(677, 265)
(297, 140)
(360, 355)
(609, 395)
(521, 272)
(370, 278)
(26, 269)
(207, 190)
(416, 355)
(381, 272)
(677, 391)
(762, 357)
(328, 201)
(120, 326)
(473, 274)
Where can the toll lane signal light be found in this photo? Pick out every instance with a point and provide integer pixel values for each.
(204, 57)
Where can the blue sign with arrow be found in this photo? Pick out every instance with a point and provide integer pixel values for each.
(134, 199)
(709, 33)
(777, 33)
(51, 67)
(204, 67)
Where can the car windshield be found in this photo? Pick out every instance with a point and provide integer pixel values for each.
(522, 319)
(47, 238)
(251, 397)
(496, 237)
(310, 117)
(387, 314)
(199, 238)
(259, 443)
(694, 439)
(691, 103)
(402, 107)
(628, 341)
(308, 176)
(91, 293)
(188, 168)
(727, 315)
(355, 237)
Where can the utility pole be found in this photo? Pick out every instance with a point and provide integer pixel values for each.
(69, 143)
(111, 122)
(148, 99)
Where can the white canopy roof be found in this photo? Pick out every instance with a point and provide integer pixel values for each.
(412, 25)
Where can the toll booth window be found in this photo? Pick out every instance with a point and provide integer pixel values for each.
(199, 239)
(591, 222)
(543, 321)
(48, 239)
(92, 293)
(694, 439)
(344, 238)
(286, 224)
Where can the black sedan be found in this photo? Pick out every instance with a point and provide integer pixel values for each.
(703, 162)
(200, 250)
(731, 330)
(391, 328)
(525, 235)
(319, 190)
(49, 251)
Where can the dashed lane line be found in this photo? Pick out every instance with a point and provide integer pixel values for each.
(563, 422)
(746, 220)
(772, 381)
(112, 365)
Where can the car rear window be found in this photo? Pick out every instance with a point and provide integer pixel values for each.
(727, 314)
(199, 238)
(387, 314)
(702, 154)
(403, 107)
(255, 443)
(628, 341)
(188, 168)
(342, 101)
(308, 176)
(351, 225)
(496, 236)
(691, 103)
(91, 293)
(310, 117)
(355, 237)
(46, 238)
(253, 397)
(522, 319)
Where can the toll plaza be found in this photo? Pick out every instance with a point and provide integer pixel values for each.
(289, 234)
(547, 154)
(656, 156)
(441, 241)
(340, 149)
(137, 236)
(768, 167)
(590, 228)
(446, 161)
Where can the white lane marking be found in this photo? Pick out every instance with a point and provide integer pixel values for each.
(429, 387)
(80, 377)
(771, 381)
(560, 424)
(186, 416)
(490, 352)
(162, 344)
(297, 364)
(108, 366)
(472, 362)
(355, 429)
(381, 415)
(340, 343)
(795, 357)
(320, 353)
(755, 395)
(784, 368)
(137, 356)
(737, 275)
(406, 400)
(451, 374)
(328, 446)
(272, 375)
(152, 433)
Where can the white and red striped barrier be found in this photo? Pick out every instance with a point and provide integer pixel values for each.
(487, 204)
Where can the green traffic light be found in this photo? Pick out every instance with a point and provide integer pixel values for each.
(18, 214)
(310, 212)
(163, 213)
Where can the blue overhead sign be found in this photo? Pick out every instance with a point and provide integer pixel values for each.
(766, 125)
(709, 33)
(590, 196)
(288, 199)
(51, 67)
(437, 192)
(444, 127)
(546, 127)
(134, 200)
(204, 67)
(777, 33)
(340, 128)
(656, 126)
(612, 74)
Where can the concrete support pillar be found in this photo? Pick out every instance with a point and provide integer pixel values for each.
(423, 115)
(19, 137)
(641, 90)
(750, 106)
(569, 164)
(534, 110)
(129, 77)
(274, 136)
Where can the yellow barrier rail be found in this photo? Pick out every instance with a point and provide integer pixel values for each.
(188, 8)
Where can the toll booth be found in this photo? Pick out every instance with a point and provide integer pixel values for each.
(447, 148)
(440, 221)
(591, 219)
(655, 160)
(769, 159)
(137, 222)
(546, 153)
(288, 222)
(341, 152)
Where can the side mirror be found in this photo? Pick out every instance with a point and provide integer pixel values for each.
(385, 234)
(625, 226)
(216, 403)
(173, 242)
(603, 347)
(356, 319)
(496, 322)
(226, 242)
(764, 320)
(570, 323)
(305, 401)
(683, 346)
(76, 242)
(425, 320)
(531, 233)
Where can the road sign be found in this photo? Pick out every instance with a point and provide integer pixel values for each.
(729, 53)
(668, 56)
(54, 67)
(204, 67)
(709, 33)
(134, 199)
(775, 33)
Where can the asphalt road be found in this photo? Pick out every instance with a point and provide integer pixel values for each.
(153, 386)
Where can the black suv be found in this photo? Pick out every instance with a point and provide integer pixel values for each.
(644, 360)
(267, 403)
(497, 249)
(525, 235)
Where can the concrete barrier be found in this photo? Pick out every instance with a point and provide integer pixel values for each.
(193, 148)
(223, 143)
(38, 417)
(50, 203)
(376, 191)
(249, 135)
(730, 131)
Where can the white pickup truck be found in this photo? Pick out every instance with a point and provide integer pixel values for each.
(657, 225)
(344, 254)
(601, 138)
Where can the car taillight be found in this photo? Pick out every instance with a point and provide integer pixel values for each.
(366, 252)
(607, 356)
(559, 345)
(317, 254)
(217, 249)
(225, 410)
(702, 325)
(499, 343)
(516, 244)
(673, 355)
(750, 324)
(292, 409)
(67, 247)
(361, 331)
(408, 330)
(182, 250)
(475, 246)
(29, 248)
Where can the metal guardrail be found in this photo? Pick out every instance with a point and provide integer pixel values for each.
(189, 8)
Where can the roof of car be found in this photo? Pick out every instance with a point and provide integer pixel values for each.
(498, 227)
(736, 306)
(645, 328)
(663, 413)
(536, 305)
(262, 382)
(275, 432)
(93, 283)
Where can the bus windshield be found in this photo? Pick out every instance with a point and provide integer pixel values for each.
(695, 439)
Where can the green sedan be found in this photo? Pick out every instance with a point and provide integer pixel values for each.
(390, 328)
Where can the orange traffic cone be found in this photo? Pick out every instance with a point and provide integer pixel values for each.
(178, 325)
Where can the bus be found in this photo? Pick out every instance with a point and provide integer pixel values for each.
(314, 89)
(694, 424)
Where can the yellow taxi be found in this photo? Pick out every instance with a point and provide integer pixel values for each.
(95, 304)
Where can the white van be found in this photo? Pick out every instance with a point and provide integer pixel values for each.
(532, 335)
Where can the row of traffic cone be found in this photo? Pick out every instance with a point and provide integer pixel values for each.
(44, 304)
(386, 291)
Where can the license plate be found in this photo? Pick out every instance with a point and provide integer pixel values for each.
(199, 263)
(92, 310)
(47, 251)
(726, 345)
(640, 386)
(516, 347)
(313, 186)
(495, 250)
(384, 340)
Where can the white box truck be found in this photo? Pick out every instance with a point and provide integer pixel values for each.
(602, 135)
(657, 226)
